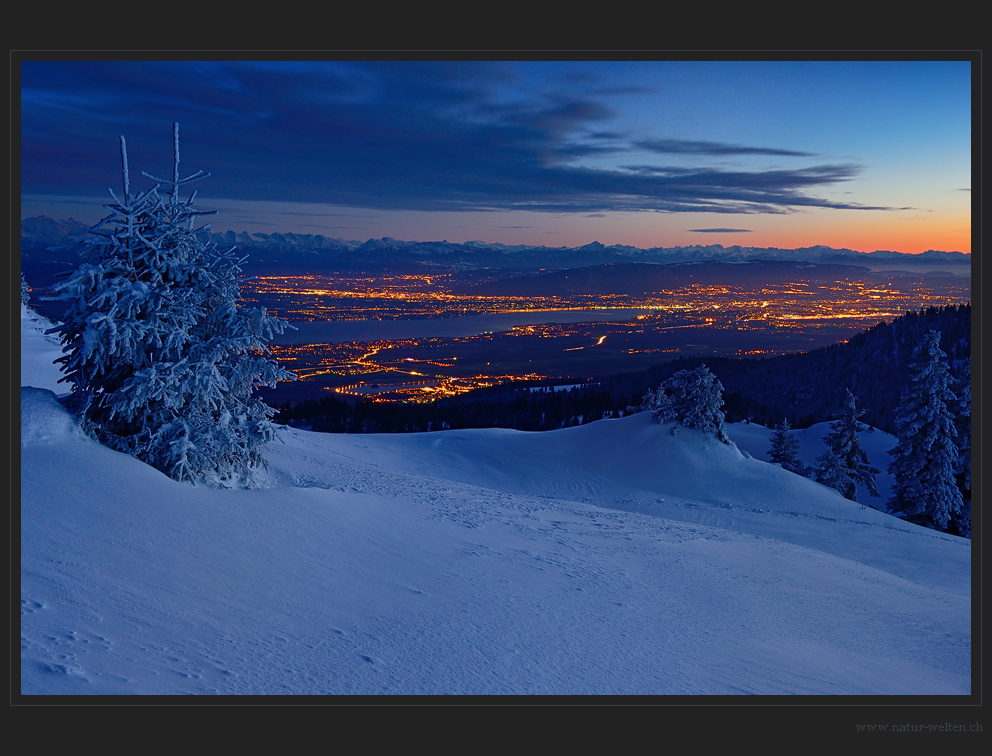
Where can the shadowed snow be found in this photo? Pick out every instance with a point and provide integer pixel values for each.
(609, 558)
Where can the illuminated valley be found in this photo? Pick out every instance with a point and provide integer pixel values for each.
(617, 332)
(361, 297)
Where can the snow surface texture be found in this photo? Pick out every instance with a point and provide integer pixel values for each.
(38, 353)
(610, 558)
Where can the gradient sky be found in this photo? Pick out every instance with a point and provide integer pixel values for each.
(863, 155)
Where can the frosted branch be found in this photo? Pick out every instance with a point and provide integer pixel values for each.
(127, 182)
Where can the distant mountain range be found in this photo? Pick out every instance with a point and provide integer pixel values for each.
(48, 241)
(645, 278)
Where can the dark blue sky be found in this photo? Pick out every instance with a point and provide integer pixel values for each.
(648, 153)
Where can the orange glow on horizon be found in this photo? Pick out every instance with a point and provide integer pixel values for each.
(906, 239)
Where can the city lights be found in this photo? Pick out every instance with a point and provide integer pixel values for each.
(731, 320)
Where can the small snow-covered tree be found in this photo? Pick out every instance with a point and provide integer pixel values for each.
(692, 398)
(25, 291)
(658, 403)
(845, 464)
(829, 470)
(926, 455)
(785, 450)
(161, 359)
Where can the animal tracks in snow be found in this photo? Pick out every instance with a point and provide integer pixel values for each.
(30, 607)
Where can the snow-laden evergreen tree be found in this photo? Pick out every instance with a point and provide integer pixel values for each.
(926, 455)
(845, 464)
(161, 359)
(829, 470)
(25, 291)
(785, 450)
(657, 401)
(963, 428)
(961, 523)
(692, 398)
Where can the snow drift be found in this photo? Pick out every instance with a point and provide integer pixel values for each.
(609, 558)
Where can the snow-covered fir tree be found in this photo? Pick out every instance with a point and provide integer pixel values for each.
(961, 523)
(25, 291)
(785, 450)
(845, 463)
(161, 359)
(926, 456)
(828, 470)
(658, 403)
(692, 398)
(963, 427)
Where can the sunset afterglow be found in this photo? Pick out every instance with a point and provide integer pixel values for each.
(870, 155)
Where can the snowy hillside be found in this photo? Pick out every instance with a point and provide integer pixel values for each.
(38, 353)
(608, 558)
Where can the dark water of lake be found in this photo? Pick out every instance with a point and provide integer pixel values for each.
(325, 332)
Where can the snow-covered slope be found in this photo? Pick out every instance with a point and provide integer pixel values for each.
(608, 558)
(38, 353)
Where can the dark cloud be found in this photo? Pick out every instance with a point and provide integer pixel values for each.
(562, 116)
(615, 91)
(711, 149)
(720, 230)
(406, 136)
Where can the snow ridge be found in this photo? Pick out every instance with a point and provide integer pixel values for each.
(610, 558)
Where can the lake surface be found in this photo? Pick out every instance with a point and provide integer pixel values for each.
(331, 331)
